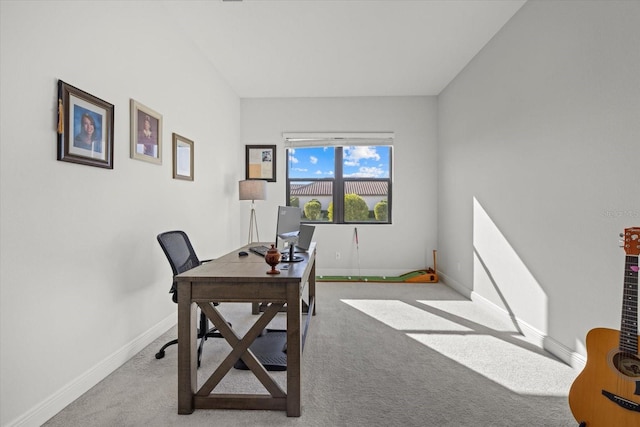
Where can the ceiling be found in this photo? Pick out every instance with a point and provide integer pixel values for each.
(331, 48)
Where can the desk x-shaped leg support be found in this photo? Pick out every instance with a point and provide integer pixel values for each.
(240, 350)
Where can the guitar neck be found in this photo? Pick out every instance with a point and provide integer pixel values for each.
(629, 325)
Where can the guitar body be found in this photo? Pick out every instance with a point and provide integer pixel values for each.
(607, 391)
(610, 370)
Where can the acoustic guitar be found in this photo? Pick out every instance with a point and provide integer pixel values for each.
(607, 391)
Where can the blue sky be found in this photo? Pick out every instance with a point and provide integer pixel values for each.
(359, 161)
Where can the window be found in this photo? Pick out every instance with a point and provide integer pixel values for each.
(340, 183)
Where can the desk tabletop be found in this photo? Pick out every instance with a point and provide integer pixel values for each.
(251, 268)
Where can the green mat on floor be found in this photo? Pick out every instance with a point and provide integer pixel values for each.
(402, 278)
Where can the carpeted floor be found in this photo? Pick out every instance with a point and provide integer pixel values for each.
(377, 354)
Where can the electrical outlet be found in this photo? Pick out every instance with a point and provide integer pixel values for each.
(337, 255)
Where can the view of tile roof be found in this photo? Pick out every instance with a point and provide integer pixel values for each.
(324, 188)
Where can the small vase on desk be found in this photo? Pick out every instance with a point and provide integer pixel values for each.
(272, 257)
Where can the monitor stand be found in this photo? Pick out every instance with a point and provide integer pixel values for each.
(291, 257)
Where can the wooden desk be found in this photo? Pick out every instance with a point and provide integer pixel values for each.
(243, 279)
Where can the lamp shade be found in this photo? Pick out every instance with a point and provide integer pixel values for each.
(253, 189)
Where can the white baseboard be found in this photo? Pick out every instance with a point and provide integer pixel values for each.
(76, 388)
(458, 287)
(565, 354)
(539, 338)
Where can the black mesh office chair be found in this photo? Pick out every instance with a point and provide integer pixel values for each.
(182, 257)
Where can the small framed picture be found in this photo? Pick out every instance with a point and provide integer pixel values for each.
(261, 162)
(85, 128)
(182, 158)
(146, 133)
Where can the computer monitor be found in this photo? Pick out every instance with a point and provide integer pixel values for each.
(304, 237)
(288, 221)
(287, 229)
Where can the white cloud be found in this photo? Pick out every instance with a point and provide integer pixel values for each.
(367, 172)
(353, 155)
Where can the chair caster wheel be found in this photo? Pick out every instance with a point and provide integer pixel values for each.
(160, 355)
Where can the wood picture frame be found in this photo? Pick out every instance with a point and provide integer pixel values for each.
(146, 133)
(182, 158)
(85, 128)
(260, 162)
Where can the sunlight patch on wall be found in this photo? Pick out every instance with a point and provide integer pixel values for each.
(501, 277)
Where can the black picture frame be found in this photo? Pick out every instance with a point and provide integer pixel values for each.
(85, 128)
(260, 162)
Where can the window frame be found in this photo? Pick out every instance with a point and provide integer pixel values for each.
(339, 181)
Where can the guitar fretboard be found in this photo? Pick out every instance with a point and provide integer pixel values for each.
(629, 325)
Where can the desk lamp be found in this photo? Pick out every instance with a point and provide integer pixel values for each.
(253, 189)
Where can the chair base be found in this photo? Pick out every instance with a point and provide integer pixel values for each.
(210, 333)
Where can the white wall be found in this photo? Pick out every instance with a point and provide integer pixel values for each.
(539, 168)
(405, 245)
(83, 281)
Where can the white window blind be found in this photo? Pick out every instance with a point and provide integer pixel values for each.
(340, 139)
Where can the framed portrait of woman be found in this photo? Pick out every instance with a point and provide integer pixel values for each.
(85, 128)
(146, 133)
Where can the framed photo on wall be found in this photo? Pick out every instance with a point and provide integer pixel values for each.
(182, 158)
(146, 133)
(85, 128)
(261, 162)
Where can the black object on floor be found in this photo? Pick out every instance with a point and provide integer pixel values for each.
(270, 350)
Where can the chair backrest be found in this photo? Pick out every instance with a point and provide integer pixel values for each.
(179, 252)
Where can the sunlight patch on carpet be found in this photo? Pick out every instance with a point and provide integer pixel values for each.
(402, 316)
(512, 366)
(469, 311)
(467, 334)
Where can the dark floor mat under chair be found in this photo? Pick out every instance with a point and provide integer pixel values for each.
(270, 349)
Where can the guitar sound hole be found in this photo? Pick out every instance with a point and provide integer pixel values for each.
(628, 364)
